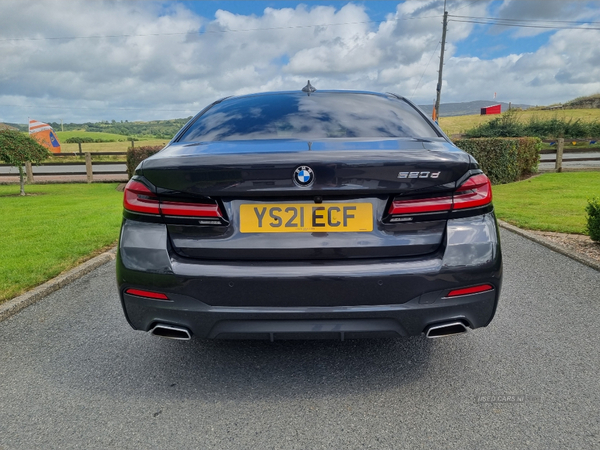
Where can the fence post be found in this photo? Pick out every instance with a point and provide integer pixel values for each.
(559, 154)
(79, 143)
(88, 167)
(132, 143)
(29, 171)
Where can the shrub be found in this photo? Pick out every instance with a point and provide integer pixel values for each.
(505, 125)
(504, 160)
(137, 154)
(593, 219)
(17, 148)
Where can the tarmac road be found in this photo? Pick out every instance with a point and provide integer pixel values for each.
(74, 375)
(58, 169)
(568, 162)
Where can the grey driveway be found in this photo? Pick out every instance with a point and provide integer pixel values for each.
(73, 375)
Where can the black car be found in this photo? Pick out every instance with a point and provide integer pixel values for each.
(303, 214)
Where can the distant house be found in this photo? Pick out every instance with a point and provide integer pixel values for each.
(494, 109)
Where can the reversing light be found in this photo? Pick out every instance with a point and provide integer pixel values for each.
(470, 290)
(147, 294)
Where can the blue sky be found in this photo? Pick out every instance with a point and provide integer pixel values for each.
(143, 60)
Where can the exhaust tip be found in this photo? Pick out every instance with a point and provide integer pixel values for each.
(446, 329)
(171, 332)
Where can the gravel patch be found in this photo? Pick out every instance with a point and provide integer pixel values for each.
(574, 242)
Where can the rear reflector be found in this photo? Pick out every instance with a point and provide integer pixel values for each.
(475, 192)
(470, 290)
(138, 198)
(147, 294)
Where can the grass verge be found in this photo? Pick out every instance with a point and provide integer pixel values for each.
(52, 229)
(549, 202)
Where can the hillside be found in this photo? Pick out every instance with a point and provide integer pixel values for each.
(163, 129)
(589, 102)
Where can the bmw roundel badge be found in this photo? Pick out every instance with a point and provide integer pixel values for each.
(304, 176)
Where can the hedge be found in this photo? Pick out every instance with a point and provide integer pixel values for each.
(504, 160)
(86, 140)
(137, 154)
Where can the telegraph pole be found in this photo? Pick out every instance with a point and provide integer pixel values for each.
(439, 85)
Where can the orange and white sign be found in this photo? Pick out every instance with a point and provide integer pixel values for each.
(44, 134)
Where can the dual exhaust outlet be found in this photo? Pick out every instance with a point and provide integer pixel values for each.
(433, 331)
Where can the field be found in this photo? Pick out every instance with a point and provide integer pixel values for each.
(52, 229)
(64, 135)
(460, 124)
(109, 146)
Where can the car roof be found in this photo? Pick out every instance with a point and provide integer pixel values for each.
(317, 92)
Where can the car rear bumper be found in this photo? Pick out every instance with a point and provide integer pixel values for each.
(408, 319)
(325, 299)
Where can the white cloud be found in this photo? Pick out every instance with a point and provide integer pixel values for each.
(145, 66)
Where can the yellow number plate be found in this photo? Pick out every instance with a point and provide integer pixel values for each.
(297, 218)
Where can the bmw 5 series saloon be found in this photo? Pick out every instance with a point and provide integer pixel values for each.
(309, 214)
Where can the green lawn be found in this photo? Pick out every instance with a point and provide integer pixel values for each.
(550, 202)
(53, 230)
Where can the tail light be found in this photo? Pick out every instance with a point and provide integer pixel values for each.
(425, 205)
(473, 193)
(476, 191)
(190, 209)
(138, 198)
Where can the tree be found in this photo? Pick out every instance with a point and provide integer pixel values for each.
(17, 148)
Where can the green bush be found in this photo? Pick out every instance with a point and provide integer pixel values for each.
(593, 219)
(137, 154)
(17, 148)
(503, 160)
(86, 140)
(505, 125)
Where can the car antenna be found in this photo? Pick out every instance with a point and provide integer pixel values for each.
(308, 88)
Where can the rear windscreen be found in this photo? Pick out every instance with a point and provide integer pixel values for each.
(318, 116)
